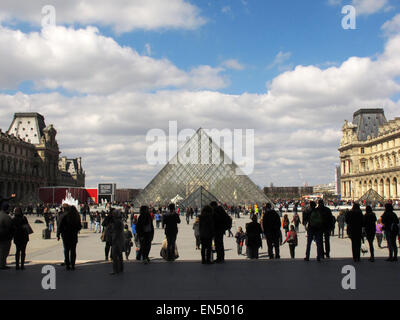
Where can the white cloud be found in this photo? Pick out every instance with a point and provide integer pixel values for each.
(121, 15)
(392, 27)
(84, 61)
(280, 59)
(364, 7)
(367, 7)
(297, 121)
(233, 64)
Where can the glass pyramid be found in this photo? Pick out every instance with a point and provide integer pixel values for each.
(200, 198)
(208, 167)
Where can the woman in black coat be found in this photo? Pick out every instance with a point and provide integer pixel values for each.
(355, 221)
(370, 229)
(21, 238)
(145, 231)
(253, 232)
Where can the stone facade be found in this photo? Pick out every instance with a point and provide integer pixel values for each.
(370, 155)
(29, 159)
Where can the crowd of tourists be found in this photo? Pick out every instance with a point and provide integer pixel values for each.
(121, 230)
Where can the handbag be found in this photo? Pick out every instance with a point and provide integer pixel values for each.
(27, 228)
(103, 236)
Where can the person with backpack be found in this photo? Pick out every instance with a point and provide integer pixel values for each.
(68, 228)
(171, 221)
(327, 226)
(271, 226)
(370, 230)
(390, 223)
(355, 221)
(222, 222)
(314, 226)
(292, 240)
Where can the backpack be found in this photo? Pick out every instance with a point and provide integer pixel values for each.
(315, 219)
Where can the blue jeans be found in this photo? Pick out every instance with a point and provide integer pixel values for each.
(317, 235)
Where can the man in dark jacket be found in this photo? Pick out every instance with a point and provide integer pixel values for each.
(314, 225)
(271, 225)
(6, 234)
(171, 220)
(68, 228)
(222, 222)
(390, 223)
(327, 226)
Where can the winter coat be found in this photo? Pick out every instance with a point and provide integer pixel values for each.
(355, 222)
(69, 226)
(20, 235)
(370, 224)
(171, 221)
(206, 226)
(117, 235)
(271, 224)
(6, 227)
(253, 231)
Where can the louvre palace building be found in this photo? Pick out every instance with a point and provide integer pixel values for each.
(30, 159)
(370, 156)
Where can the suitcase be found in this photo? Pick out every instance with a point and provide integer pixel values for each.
(46, 234)
(84, 225)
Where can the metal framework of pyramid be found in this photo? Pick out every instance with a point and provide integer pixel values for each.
(218, 178)
(200, 198)
(372, 196)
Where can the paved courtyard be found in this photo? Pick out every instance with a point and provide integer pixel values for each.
(238, 279)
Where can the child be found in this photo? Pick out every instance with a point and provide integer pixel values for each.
(240, 237)
(291, 239)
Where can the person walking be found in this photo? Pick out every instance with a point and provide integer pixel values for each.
(292, 240)
(271, 226)
(379, 233)
(6, 234)
(341, 220)
(327, 226)
(314, 226)
(207, 231)
(222, 222)
(355, 221)
(390, 223)
(22, 230)
(106, 235)
(118, 242)
(370, 230)
(128, 241)
(158, 219)
(296, 220)
(145, 231)
(285, 224)
(240, 239)
(68, 228)
(196, 228)
(253, 232)
(172, 220)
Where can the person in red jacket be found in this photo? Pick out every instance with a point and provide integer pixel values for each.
(292, 240)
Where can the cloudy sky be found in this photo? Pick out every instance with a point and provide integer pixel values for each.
(110, 71)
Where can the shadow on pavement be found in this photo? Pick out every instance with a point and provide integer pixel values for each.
(190, 280)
